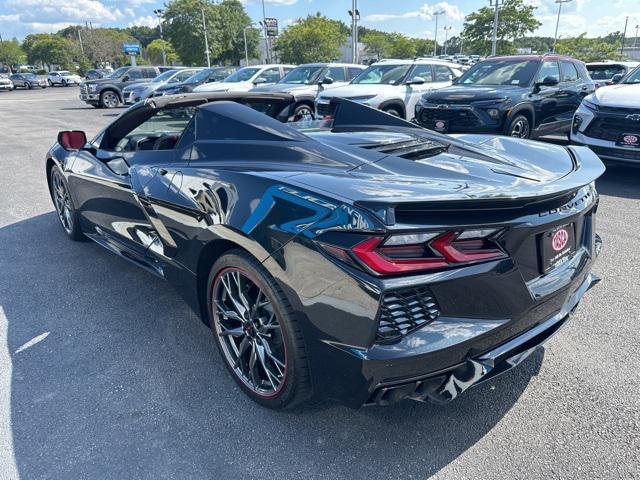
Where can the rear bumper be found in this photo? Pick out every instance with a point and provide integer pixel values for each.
(445, 386)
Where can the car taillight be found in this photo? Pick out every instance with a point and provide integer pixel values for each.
(410, 253)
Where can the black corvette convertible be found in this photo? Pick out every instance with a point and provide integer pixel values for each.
(360, 258)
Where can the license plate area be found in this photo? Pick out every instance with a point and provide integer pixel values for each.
(557, 246)
(629, 140)
(440, 125)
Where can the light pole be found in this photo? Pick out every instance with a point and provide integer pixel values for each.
(461, 43)
(494, 39)
(635, 40)
(206, 40)
(624, 34)
(246, 49)
(354, 13)
(266, 37)
(555, 37)
(446, 34)
(158, 12)
(435, 33)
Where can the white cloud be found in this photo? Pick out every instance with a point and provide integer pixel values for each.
(62, 11)
(574, 24)
(146, 21)
(276, 3)
(425, 12)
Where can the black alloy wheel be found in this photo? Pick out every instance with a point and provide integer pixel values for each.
(64, 205)
(256, 333)
(519, 127)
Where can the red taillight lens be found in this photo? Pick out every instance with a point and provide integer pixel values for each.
(390, 257)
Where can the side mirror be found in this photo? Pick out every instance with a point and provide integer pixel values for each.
(259, 80)
(72, 139)
(616, 78)
(548, 82)
(326, 81)
(416, 81)
(125, 78)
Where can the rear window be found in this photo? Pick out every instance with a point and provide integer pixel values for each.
(604, 72)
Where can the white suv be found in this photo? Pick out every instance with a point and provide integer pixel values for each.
(247, 78)
(393, 86)
(63, 78)
(608, 120)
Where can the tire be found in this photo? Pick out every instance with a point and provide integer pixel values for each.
(109, 99)
(49, 82)
(64, 83)
(519, 127)
(304, 110)
(63, 203)
(272, 324)
(392, 111)
(28, 86)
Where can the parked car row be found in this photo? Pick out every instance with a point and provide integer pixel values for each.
(524, 96)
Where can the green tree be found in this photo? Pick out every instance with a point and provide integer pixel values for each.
(11, 53)
(232, 20)
(588, 49)
(50, 49)
(105, 45)
(401, 46)
(424, 47)
(184, 29)
(154, 52)
(516, 19)
(376, 43)
(313, 39)
(143, 34)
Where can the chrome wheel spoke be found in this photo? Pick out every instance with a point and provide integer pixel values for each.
(249, 332)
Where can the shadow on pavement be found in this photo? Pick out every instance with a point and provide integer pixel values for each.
(125, 382)
(620, 181)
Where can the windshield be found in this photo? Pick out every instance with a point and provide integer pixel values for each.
(383, 74)
(303, 75)
(64, 72)
(164, 77)
(200, 76)
(118, 72)
(28, 75)
(633, 77)
(242, 75)
(500, 72)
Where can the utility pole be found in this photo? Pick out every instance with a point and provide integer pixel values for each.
(354, 13)
(635, 40)
(159, 12)
(435, 33)
(246, 49)
(446, 34)
(624, 34)
(80, 40)
(266, 36)
(555, 37)
(494, 39)
(206, 40)
(461, 43)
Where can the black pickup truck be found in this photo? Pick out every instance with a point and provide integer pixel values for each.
(107, 92)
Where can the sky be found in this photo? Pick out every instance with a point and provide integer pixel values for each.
(411, 17)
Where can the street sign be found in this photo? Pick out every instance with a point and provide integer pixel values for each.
(131, 49)
(271, 25)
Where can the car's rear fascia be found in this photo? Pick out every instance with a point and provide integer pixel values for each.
(482, 306)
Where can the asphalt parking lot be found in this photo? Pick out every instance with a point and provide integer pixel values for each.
(106, 373)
